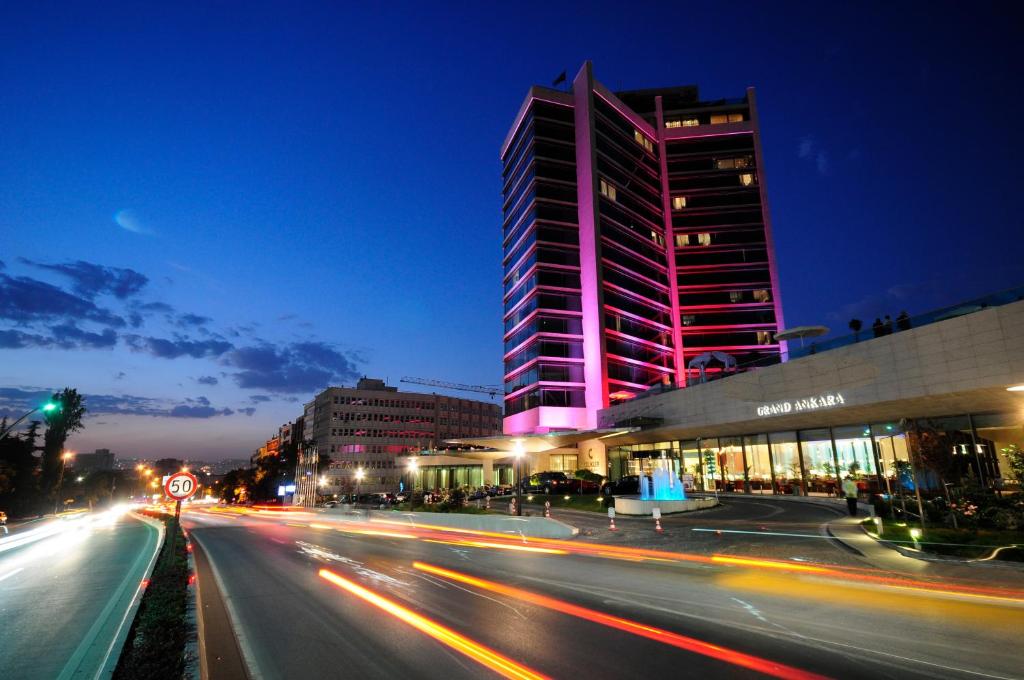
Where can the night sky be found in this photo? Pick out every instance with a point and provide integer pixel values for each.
(208, 212)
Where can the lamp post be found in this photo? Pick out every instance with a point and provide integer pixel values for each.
(64, 458)
(413, 467)
(45, 408)
(519, 451)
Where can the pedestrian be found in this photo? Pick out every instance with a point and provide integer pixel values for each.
(850, 491)
(903, 321)
(877, 327)
(888, 325)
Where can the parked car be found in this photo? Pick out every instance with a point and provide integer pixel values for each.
(548, 482)
(630, 484)
(3, 517)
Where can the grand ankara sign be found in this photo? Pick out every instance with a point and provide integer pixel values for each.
(822, 401)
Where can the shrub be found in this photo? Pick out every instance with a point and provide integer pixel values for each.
(155, 648)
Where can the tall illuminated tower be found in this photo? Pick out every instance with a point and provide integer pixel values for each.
(636, 237)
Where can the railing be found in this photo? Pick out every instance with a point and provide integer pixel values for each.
(901, 323)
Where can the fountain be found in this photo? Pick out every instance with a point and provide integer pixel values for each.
(660, 489)
(662, 485)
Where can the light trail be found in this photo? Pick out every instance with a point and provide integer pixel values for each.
(485, 656)
(499, 546)
(757, 533)
(470, 538)
(683, 642)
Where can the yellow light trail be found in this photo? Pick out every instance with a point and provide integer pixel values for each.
(485, 656)
(499, 546)
(690, 644)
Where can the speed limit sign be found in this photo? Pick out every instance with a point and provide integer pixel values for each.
(181, 485)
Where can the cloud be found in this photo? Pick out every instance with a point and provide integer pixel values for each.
(207, 380)
(257, 398)
(64, 336)
(809, 150)
(21, 340)
(121, 375)
(164, 348)
(89, 279)
(193, 320)
(184, 411)
(16, 400)
(69, 336)
(129, 221)
(24, 299)
(247, 411)
(297, 367)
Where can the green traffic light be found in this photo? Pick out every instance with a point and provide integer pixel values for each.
(50, 406)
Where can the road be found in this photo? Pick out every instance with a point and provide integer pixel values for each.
(315, 595)
(66, 586)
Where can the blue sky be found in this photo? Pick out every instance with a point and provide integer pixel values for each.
(234, 203)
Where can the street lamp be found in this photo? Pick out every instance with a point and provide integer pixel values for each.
(359, 478)
(414, 467)
(64, 458)
(48, 407)
(519, 450)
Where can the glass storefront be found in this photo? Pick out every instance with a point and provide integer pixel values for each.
(881, 457)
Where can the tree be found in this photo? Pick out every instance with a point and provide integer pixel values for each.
(855, 326)
(19, 469)
(61, 422)
(1015, 457)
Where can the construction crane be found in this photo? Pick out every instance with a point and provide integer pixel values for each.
(491, 390)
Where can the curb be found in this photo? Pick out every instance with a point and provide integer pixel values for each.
(117, 644)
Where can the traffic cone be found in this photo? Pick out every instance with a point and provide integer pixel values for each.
(547, 509)
(657, 524)
(612, 527)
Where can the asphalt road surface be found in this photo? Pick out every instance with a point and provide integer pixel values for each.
(315, 595)
(66, 587)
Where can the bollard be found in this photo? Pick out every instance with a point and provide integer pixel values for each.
(657, 519)
(487, 502)
(611, 519)
(547, 509)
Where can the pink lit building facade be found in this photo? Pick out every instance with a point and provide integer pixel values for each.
(636, 238)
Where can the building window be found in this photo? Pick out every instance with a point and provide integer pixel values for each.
(683, 240)
(747, 179)
(657, 238)
(678, 202)
(736, 296)
(761, 295)
(608, 190)
(726, 118)
(764, 337)
(682, 122)
(689, 319)
(642, 140)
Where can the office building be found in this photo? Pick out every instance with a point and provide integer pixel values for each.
(100, 460)
(367, 426)
(636, 242)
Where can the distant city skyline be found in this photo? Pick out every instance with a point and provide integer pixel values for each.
(207, 220)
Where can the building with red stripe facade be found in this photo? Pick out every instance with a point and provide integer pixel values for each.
(636, 242)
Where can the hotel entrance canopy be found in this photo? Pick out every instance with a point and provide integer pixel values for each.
(508, 444)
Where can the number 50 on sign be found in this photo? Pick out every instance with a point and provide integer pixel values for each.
(180, 486)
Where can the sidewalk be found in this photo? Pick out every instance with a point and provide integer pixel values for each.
(886, 556)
